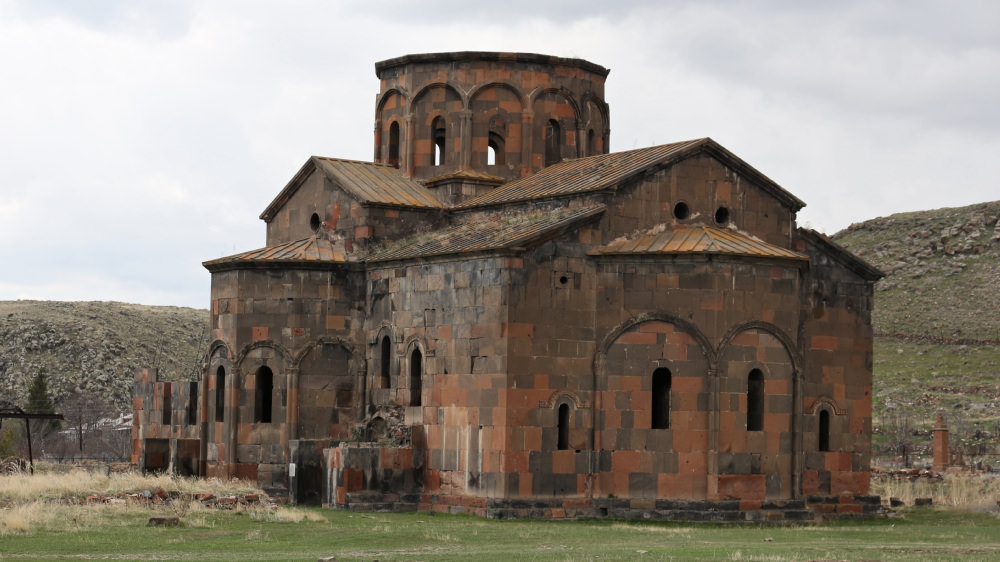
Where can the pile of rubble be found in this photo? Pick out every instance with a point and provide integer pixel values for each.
(912, 474)
(161, 496)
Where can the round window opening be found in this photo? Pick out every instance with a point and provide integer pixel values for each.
(681, 211)
(563, 280)
(722, 215)
(314, 222)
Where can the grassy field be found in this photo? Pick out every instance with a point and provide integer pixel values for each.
(38, 520)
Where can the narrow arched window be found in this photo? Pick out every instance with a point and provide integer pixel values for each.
(438, 135)
(394, 145)
(263, 399)
(755, 401)
(416, 376)
(167, 407)
(220, 394)
(553, 143)
(385, 358)
(824, 430)
(591, 143)
(192, 413)
(563, 427)
(661, 399)
(496, 152)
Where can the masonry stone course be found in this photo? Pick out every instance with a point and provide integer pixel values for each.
(418, 347)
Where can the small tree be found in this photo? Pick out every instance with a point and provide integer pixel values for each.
(9, 445)
(39, 402)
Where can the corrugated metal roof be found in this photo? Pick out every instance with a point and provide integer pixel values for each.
(465, 174)
(697, 240)
(490, 234)
(377, 183)
(311, 250)
(580, 175)
(603, 171)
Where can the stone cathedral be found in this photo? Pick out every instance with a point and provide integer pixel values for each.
(499, 316)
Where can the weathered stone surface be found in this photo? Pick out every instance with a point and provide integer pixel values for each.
(643, 334)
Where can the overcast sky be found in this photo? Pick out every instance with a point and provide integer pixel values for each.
(140, 138)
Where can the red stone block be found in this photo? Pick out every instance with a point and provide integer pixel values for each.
(625, 461)
(686, 384)
(691, 463)
(856, 483)
(517, 330)
(259, 333)
(564, 462)
(525, 482)
(743, 486)
(810, 482)
(823, 343)
(515, 461)
(746, 339)
(633, 338)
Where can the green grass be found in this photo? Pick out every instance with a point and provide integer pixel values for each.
(915, 381)
(42, 518)
(925, 535)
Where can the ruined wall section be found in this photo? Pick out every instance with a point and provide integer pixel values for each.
(166, 424)
(837, 378)
(285, 353)
(454, 313)
(320, 207)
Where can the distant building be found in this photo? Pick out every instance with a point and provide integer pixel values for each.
(499, 316)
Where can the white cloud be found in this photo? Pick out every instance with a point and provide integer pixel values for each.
(142, 138)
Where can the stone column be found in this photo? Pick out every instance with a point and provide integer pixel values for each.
(714, 421)
(407, 155)
(527, 138)
(942, 454)
(465, 146)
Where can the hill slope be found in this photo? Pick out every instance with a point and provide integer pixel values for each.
(942, 271)
(95, 346)
(937, 347)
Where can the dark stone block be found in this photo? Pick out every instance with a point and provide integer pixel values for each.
(642, 484)
(773, 484)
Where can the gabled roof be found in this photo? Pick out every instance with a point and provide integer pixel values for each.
(465, 175)
(697, 240)
(493, 233)
(841, 255)
(378, 184)
(606, 171)
(313, 251)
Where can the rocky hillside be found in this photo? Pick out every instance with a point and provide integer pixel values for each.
(95, 347)
(942, 271)
(936, 318)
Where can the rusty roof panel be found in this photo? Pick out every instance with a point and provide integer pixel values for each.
(491, 234)
(580, 175)
(699, 240)
(377, 183)
(310, 250)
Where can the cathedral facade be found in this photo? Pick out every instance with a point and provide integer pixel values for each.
(497, 315)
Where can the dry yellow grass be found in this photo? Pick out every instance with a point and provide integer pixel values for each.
(28, 504)
(968, 492)
(81, 483)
